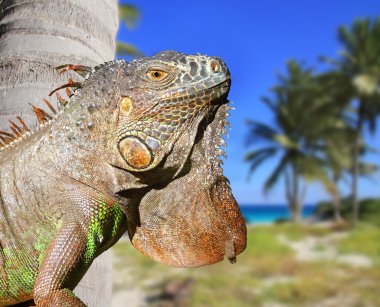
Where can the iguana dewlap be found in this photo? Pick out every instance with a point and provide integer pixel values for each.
(137, 148)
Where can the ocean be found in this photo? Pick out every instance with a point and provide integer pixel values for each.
(270, 213)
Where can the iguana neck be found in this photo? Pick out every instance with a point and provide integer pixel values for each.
(78, 137)
(86, 121)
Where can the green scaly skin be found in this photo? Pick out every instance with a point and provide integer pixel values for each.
(137, 149)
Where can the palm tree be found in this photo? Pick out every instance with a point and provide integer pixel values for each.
(37, 37)
(359, 65)
(333, 139)
(337, 155)
(332, 135)
(297, 108)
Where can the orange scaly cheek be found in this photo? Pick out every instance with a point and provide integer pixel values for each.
(135, 153)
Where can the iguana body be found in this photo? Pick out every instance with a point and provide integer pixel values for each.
(137, 147)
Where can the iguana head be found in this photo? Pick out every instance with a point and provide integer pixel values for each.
(160, 98)
(171, 116)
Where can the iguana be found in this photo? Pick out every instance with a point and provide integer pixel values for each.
(136, 148)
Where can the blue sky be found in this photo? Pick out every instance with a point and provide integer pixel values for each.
(255, 39)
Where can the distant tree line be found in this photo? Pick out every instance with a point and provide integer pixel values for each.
(319, 121)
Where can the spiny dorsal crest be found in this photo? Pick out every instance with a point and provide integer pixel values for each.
(19, 131)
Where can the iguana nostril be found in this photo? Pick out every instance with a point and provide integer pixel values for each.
(215, 67)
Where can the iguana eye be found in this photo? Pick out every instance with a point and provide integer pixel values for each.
(156, 74)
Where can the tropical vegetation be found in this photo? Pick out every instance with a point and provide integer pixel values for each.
(320, 119)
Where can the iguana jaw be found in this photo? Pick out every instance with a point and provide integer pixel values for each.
(194, 220)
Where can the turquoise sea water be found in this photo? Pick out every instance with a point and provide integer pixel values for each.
(270, 213)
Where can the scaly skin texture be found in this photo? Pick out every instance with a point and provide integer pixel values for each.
(136, 148)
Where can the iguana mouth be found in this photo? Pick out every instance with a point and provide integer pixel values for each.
(199, 90)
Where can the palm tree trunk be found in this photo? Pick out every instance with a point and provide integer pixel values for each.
(296, 212)
(295, 207)
(38, 35)
(336, 201)
(355, 166)
(35, 37)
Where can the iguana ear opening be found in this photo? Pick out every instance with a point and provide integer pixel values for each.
(125, 105)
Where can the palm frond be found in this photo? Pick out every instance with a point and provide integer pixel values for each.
(129, 15)
(257, 157)
(259, 132)
(123, 49)
(276, 174)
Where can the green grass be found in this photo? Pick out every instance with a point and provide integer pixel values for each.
(262, 242)
(296, 232)
(266, 273)
(363, 239)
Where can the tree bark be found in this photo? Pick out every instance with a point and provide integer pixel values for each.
(336, 205)
(355, 166)
(292, 194)
(35, 37)
(295, 204)
(336, 201)
(296, 212)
